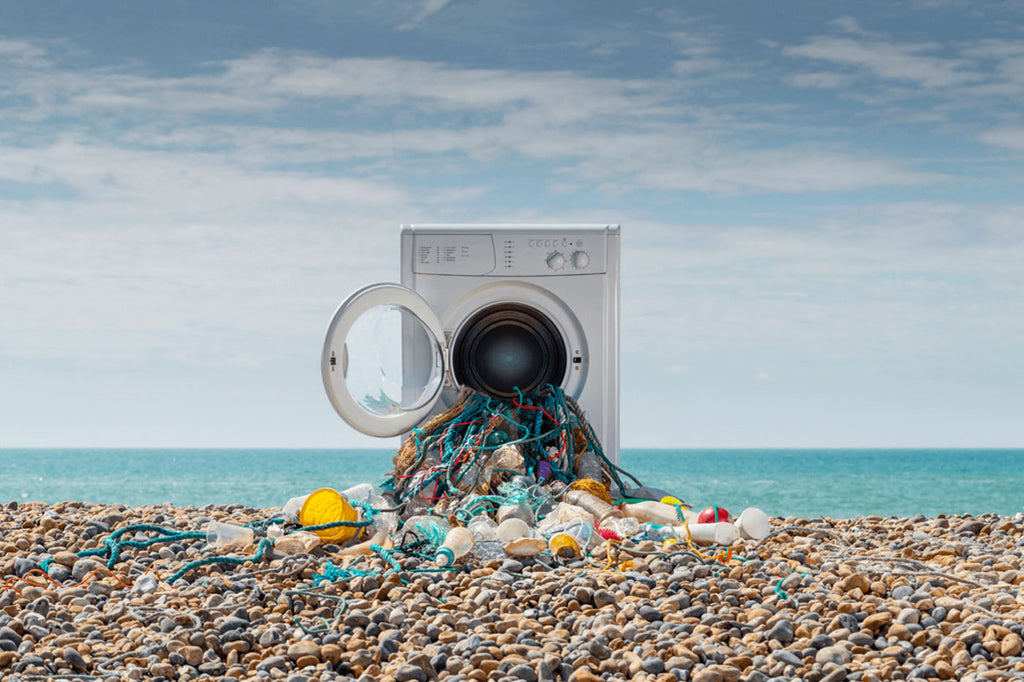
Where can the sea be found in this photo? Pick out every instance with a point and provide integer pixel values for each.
(809, 483)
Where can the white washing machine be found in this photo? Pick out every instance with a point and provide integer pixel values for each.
(489, 307)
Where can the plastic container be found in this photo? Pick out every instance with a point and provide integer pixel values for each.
(513, 529)
(326, 505)
(709, 533)
(225, 535)
(458, 543)
(299, 542)
(753, 524)
(592, 503)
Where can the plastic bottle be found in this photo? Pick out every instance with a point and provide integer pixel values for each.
(721, 533)
(589, 466)
(592, 503)
(457, 543)
(624, 526)
(571, 540)
(365, 493)
(486, 545)
(431, 529)
(657, 512)
(483, 528)
(291, 508)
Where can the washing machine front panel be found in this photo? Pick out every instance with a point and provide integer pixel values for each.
(383, 361)
(569, 273)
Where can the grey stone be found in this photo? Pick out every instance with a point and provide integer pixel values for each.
(523, 672)
(650, 613)
(653, 665)
(357, 620)
(23, 565)
(781, 632)
(274, 662)
(410, 673)
(604, 598)
(10, 635)
(233, 623)
(73, 658)
(787, 657)
(84, 567)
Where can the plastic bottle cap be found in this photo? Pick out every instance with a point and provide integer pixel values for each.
(444, 556)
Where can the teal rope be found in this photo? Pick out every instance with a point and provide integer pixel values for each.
(310, 631)
(261, 550)
(112, 547)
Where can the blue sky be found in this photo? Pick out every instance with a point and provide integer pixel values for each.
(823, 230)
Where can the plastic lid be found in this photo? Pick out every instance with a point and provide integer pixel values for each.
(444, 556)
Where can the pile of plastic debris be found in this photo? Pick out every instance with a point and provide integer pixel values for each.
(490, 479)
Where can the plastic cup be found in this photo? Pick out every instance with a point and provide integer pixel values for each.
(753, 524)
(228, 535)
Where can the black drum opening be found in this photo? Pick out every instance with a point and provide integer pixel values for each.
(509, 345)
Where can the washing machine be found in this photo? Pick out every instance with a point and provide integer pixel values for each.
(494, 308)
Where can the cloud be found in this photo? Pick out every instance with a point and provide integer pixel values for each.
(906, 62)
(427, 8)
(1008, 138)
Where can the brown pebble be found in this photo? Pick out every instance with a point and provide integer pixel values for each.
(877, 620)
(304, 648)
(193, 655)
(1011, 645)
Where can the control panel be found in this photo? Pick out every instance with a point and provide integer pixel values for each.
(509, 253)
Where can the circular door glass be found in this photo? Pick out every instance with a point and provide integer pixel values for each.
(509, 346)
(392, 363)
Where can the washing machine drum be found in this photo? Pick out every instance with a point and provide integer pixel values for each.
(507, 346)
(384, 358)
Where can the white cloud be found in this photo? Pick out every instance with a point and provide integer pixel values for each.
(1009, 138)
(907, 62)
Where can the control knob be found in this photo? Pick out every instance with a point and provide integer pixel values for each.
(580, 260)
(556, 260)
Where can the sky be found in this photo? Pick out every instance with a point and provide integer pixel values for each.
(822, 206)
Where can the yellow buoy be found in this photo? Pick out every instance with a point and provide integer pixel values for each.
(326, 505)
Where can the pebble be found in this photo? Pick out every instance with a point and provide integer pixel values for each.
(667, 618)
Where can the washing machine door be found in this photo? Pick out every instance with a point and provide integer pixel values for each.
(384, 361)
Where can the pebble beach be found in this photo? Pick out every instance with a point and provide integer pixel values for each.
(820, 600)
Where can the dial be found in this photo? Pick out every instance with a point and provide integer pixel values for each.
(556, 260)
(580, 260)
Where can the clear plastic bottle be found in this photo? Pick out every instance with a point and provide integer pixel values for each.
(662, 514)
(457, 544)
(624, 526)
(486, 545)
(592, 503)
(589, 466)
(571, 540)
(430, 529)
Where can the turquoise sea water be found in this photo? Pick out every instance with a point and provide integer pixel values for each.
(806, 483)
